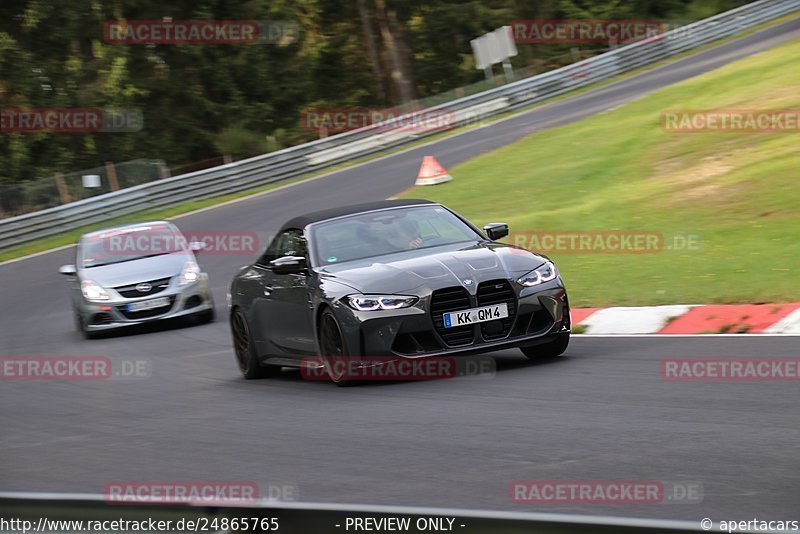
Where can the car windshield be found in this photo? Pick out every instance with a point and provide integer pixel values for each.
(386, 232)
(128, 244)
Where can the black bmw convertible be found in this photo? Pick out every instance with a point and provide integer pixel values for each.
(399, 279)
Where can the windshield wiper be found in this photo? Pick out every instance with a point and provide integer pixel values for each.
(132, 259)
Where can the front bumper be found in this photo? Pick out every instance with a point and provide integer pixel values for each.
(541, 314)
(185, 300)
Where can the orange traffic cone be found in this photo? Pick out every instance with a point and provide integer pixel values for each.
(432, 172)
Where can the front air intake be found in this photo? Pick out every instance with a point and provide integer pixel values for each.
(497, 292)
(446, 300)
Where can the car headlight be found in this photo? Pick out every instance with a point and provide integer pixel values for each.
(543, 274)
(189, 274)
(379, 302)
(92, 291)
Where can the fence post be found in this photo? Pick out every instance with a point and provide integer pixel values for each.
(62, 188)
(111, 173)
(163, 171)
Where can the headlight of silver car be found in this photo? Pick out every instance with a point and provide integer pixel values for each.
(92, 291)
(189, 274)
(543, 274)
(379, 302)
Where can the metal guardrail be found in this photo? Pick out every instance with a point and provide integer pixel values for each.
(31, 196)
(309, 157)
(57, 514)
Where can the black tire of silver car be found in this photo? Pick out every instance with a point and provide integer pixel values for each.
(333, 348)
(547, 350)
(245, 350)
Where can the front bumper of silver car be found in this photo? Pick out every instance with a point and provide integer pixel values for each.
(180, 301)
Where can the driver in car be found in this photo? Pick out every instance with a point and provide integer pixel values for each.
(386, 238)
(403, 235)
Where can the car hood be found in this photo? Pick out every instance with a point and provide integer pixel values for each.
(450, 265)
(135, 271)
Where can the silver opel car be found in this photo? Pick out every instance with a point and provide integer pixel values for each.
(137, 273)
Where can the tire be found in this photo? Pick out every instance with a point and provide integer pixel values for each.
(333, 347)
(547, 350)
(245, 350)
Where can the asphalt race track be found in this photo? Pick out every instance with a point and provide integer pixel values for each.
(601, 412)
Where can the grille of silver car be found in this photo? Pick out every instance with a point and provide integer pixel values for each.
(156, 286)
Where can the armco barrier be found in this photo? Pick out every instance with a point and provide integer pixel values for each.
(322, 153)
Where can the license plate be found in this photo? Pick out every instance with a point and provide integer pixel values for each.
(475, 315)
(147, 304)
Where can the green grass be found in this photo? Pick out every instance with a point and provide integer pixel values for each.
(619, 170)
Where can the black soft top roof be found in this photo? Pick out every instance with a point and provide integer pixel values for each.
(301, 221)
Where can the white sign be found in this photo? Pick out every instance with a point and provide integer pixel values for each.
(480, 52)
(493, 47)
(91, 180)
(505, 39)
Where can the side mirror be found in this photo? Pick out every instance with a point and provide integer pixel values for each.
(197, 246)
(68, 270)
(288, 265)
(496, 231)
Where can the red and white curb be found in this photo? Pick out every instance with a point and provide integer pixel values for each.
(690, 319)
